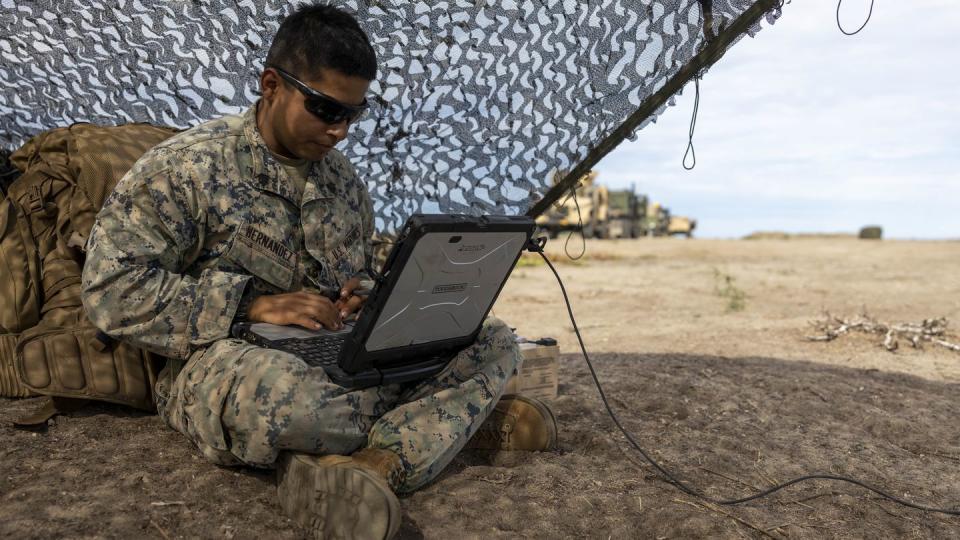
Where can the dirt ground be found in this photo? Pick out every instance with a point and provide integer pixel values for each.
(723, 389)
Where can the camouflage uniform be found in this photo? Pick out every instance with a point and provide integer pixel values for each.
(210, 215)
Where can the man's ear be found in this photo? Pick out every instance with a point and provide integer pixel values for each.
(269, 84)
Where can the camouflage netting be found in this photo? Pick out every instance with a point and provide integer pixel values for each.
(477, 104)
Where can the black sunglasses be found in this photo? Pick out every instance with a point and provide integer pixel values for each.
(321, 105)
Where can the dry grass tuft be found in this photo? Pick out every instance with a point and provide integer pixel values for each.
(725, 287)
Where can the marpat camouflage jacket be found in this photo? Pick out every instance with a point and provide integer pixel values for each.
(206, 214)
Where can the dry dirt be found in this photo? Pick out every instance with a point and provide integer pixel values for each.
(730, 400)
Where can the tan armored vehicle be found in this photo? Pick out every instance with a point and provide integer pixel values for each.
(660, 222)
(565, 215)
(681, 225)
(627, 214)
(605, 213)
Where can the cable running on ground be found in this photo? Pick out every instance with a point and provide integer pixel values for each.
(680, 484)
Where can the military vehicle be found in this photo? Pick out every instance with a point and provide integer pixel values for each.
(871, 232)
(660, 222)
(626, 215)
(605, 213)
(589, 205)
(681, 225)
(656, 220)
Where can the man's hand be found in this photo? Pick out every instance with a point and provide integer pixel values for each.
(350, 302)
(306, 309)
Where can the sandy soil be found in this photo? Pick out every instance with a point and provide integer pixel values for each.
(730, 400)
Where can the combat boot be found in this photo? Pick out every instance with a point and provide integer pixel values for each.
(517, 423)
(342, 497)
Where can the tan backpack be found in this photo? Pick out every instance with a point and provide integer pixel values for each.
(47, 344)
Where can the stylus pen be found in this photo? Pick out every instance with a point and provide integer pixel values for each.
(331, 293)
(334, 294)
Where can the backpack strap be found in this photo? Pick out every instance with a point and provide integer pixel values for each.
(10, 385)
(73, 361)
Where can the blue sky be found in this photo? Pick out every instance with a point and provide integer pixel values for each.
(804, 129)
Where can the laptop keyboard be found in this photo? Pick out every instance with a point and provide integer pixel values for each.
(318, 352)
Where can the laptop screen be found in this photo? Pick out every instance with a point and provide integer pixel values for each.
(446, 287)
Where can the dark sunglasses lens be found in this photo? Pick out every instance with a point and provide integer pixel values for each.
(329, 111)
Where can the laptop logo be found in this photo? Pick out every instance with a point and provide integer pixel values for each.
(473, 247)
(449, 288)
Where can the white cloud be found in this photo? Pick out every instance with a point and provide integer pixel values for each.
(817, 127)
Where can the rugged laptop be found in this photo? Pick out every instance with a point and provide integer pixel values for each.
(429, 302)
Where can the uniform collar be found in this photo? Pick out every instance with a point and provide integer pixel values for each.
(267, 173)
(324, 180)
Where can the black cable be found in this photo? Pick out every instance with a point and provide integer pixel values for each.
(538, 248)
(693, 126)
(862, 26)
(583, 238)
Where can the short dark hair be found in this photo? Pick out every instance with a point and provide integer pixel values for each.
(322, 36)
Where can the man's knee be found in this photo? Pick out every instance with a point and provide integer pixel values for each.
(274, 401)
(496, 341)
(234, 398)
(495, 354)
(494, 328)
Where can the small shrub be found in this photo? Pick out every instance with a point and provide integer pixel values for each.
(725, 287)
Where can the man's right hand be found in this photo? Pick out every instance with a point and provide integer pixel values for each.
(306, 309)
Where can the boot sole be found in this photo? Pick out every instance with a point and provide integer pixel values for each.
(334, 501)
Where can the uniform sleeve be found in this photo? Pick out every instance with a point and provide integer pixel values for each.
(149, 228)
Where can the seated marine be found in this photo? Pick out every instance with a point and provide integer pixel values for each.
(254, 217)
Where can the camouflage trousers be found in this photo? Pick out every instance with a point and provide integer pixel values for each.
(243, 404)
